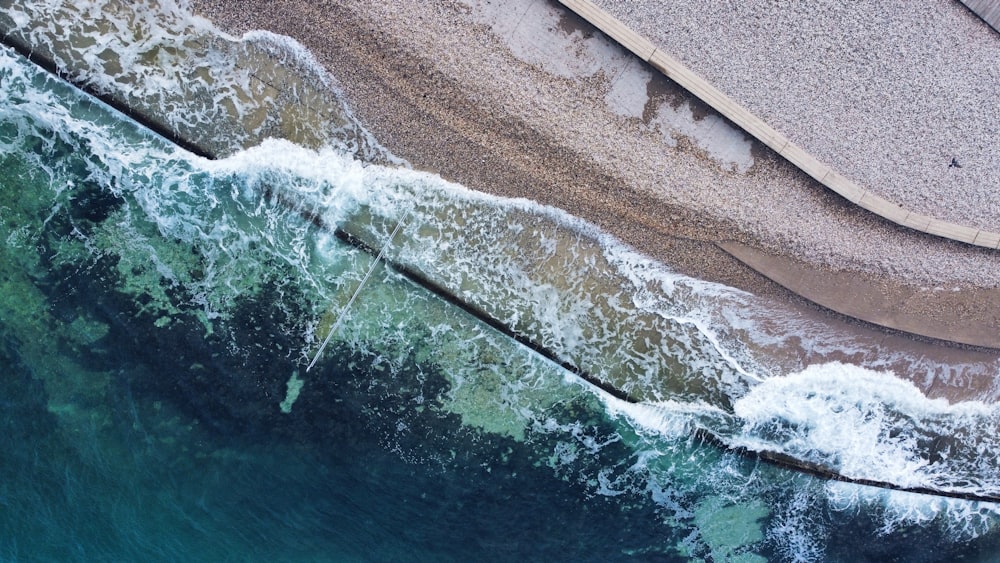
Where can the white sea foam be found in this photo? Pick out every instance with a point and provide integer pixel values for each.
(872, 425)
(690, 348)
(819, 431)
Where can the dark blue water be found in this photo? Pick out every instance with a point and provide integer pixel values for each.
(125, 438)
(153, 308)
(157, 482)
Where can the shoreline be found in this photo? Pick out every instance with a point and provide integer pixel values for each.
(670, 67)
(731, 360)
(477, 112)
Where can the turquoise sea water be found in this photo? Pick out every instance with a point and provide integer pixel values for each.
(158, 310)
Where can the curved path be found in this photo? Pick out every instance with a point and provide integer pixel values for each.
(674, 70)
(988, 10)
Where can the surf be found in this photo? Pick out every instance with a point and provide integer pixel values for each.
(195, 240)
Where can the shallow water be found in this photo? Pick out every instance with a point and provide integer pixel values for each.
(158, 311)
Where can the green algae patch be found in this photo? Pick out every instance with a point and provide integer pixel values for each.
(149, 267)
(75, 394)
(293, 388)
(731, 530)
(85, 331)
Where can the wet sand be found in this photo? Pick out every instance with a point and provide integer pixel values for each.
(470, 91)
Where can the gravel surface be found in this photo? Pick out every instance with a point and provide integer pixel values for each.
(885, 91)
(453, 87)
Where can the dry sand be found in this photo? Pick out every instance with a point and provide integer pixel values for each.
(522, 99)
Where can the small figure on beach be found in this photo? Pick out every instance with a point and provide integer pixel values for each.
(954, 163)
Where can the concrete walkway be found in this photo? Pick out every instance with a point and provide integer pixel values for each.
(882, 302)
(674, 70)
(989, 10)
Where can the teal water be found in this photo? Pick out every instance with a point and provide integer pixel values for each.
(157, 312)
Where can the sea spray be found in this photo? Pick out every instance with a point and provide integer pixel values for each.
(872, 425)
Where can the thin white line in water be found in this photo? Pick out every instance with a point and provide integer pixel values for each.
(718, 346)
(368, 274)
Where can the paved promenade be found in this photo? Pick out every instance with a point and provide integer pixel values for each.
(989, 10)
(821, 172)
(898, 96)
(634, 216)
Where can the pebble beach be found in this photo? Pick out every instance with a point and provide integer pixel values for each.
(901, 98)
(526, 100)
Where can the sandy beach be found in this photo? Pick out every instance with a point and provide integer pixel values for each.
(527, 100)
